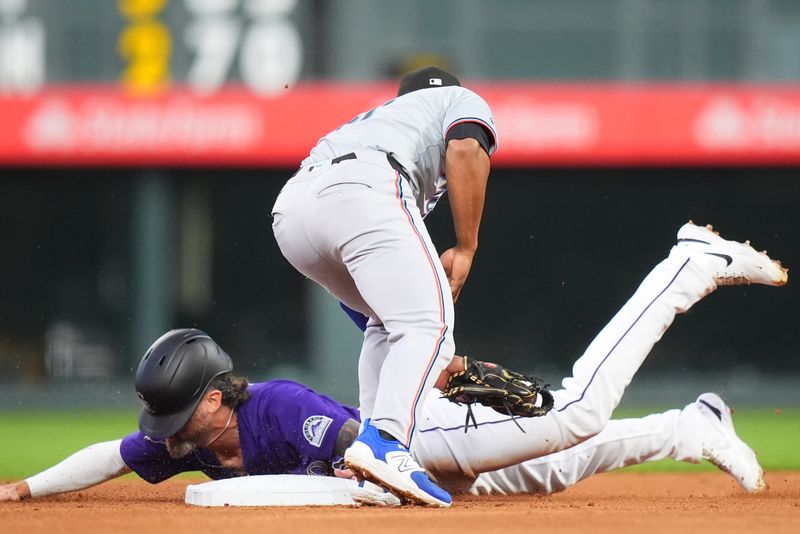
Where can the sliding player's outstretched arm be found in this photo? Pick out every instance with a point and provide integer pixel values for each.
(88, 467)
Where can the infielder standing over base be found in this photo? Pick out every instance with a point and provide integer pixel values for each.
(351, 219)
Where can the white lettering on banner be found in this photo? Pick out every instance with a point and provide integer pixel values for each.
(52, 127)
(759, 123)
(124, 127)
(538, 126)
(722, 124)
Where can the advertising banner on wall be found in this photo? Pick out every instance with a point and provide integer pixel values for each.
(538, 125)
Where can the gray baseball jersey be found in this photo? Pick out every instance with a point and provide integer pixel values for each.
(412, 128)
(350, 221)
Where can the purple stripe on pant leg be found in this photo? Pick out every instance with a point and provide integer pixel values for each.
(583, 393)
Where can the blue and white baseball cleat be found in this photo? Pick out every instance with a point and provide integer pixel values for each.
(387, 463)
(723, 448)
(730, 262)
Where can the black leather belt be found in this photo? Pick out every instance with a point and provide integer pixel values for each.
(340, 159)
(396, 166)
(334, 161)
(392, 162)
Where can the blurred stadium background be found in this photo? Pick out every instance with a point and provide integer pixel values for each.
(142, 143)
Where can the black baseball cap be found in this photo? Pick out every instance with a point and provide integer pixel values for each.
(172, 378)
(425, 78)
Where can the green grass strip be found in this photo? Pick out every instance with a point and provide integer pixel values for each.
(32, 441)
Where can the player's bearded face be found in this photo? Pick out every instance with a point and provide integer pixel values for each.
(192, 436)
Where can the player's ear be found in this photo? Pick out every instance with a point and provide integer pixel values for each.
(213, 398)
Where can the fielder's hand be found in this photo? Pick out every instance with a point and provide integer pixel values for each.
(457, 264)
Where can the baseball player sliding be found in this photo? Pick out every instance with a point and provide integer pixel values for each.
(199, 417)
(351, 219)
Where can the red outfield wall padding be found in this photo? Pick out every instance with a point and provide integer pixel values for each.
(538, 124)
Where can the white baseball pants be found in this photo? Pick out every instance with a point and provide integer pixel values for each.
(587, 399)
(622, 442)
(354, 228)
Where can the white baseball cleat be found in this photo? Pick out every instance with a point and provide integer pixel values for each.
(723, 448)
(374, 495)
(730, 262)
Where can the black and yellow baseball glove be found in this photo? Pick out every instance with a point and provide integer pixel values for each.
(495, 386)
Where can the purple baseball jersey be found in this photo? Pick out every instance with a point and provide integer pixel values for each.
(284, 428)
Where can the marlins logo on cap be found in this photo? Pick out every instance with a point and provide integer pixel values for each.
(426, 78)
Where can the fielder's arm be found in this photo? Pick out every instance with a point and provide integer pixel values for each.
(467, 166)
(88, 467)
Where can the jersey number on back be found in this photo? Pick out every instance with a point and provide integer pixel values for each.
(367, 114)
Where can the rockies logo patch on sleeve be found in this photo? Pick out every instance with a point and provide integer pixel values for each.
(315, 427)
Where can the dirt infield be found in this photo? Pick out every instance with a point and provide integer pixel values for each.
(614, 503)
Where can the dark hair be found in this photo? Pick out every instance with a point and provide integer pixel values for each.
(233, 388)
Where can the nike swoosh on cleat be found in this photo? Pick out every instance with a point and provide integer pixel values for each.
(723, 256)
(689, 240)
(716, 411)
